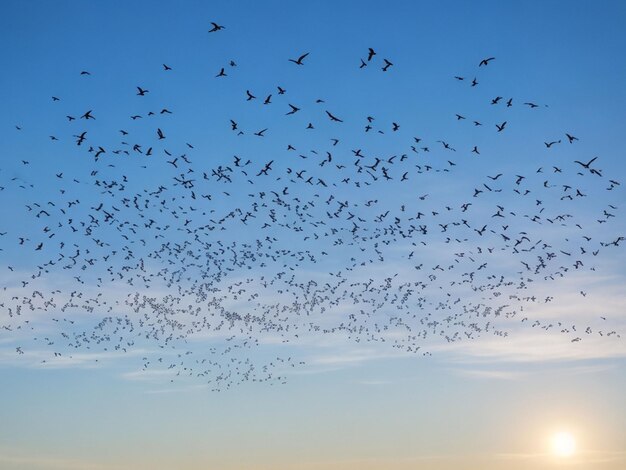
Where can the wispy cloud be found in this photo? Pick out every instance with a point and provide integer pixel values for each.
(532, 347)
(490, 374)
(146, 375)
(582, 459)
(41, 358)
(346, 356)
(44, 463)
(374, 382)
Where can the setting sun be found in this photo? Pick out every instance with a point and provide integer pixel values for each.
(563, 444)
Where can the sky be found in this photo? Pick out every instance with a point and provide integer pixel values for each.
(204, 304)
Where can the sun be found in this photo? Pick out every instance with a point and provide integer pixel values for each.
(563, 444)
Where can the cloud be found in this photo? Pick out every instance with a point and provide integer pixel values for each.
(36, 358)
(353, 356)
(186, 389)
(521, 347)
(374, 382)
(582, 458)
(490, 374)
(56, 463)
(158, 375)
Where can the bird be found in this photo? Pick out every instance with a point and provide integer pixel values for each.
(299, 60)
(486, 61)
(586, 165)
(216, 27)
(332, 117)
(550, 144)
(80, 138)
(293, 110)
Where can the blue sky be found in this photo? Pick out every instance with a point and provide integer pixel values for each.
(498, 373)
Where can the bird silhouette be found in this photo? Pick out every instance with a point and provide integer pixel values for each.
(299, 60)
(332, 117)
(216, 27)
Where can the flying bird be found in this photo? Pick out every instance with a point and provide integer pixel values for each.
(216, 27)
(333, 118)
(299, 60)
(293, 110)
(586, 165)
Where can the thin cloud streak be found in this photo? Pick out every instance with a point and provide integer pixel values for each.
(56, 462)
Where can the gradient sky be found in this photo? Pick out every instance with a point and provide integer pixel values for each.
(491, 403)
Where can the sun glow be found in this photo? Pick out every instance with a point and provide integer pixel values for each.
(563, 444)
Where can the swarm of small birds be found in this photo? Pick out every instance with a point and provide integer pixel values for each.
(206, 268)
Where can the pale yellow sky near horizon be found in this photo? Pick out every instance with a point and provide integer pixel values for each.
(588, 460)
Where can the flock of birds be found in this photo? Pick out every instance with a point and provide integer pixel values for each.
(204, 268)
